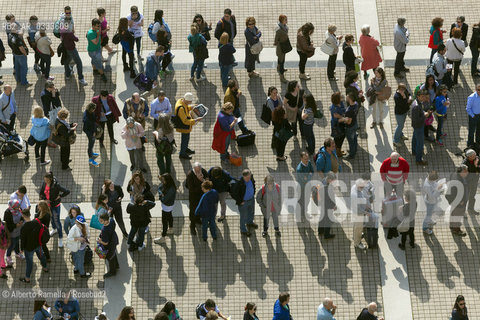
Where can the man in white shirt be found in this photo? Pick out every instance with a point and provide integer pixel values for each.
(160, 105)
(21, 196)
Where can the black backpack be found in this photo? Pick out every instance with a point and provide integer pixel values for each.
(200, 310)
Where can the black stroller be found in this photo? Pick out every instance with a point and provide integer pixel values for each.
(11, 143)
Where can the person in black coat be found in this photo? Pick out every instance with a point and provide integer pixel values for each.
(348, 54)
(89, 127)
(368, 313)
(243, 192)
(462, 26)
(108, 239)
(167, 192)
(227, 24)
(53, 192)
(193, 183)
(50, 98)
(250, 312)
(139, 220)
(115, 195)
(63, 133)
(280, 121)
(221, 180)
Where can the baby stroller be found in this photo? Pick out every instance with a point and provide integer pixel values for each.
(11, 143)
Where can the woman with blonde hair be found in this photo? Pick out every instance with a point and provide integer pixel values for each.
(164, 143)
(196, 42)
(64, 131)
(44, 214)
(225, 57)
(40, 132)
(224, 131)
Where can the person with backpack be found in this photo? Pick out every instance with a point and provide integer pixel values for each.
(94, 49)
(31, 242)
(198, 47)
(44, 214)
(14, 222)
(436, 36)
(269, 199)
(226, 24)
(108, 241)
(281, 309)
(327, 158)
(157, 25)
(207, 210)
(139, 221)
(185, 123)
(4, 244)
(164, 141)
(126, 39)
(135, 24)
(77, 243)
(204, 308)
(53, 192)
(243, 192)
(221, 180)
(90, 129)
(167, 191)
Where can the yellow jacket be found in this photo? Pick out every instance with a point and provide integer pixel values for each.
(184, 116)
(230, 97)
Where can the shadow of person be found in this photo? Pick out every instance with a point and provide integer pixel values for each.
(313, 252)
(463, 256)
(176, 270)
(279, 270)
(252, 269)
(445, 269)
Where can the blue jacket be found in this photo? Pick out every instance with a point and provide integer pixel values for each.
(72, 308)
(280, 312)
(153, 65)
(304, 173)
(207, 207)
(42, 314)
(324, 162)
(40, 129)
(167, 198)
(221, 184)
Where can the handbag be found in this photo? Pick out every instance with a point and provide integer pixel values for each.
(266, 114)
(404, 226)
(327, 49)
(95, 223)
(52, 53)
(429, 120)
(318, 114)
(31, 141)
(286, 46)
(52, 115)
(385, 93)
(201, 52)
(235, 159)
(101, 251)
(284, 134)
(98, 132)
(116, 38)
(256, 48)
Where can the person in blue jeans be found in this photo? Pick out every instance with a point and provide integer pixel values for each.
(89, 127)
(225, 58)
(139, 220)
(29, 244)
(418, 124)
(94, 49)
(243, 192)
(473, 110)
(207, 209)
(68, 40)
(351, 125)
(441, 106)
(20, 52)
(402, 100)
(195, 40)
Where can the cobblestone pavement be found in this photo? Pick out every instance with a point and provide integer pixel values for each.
(419, 24)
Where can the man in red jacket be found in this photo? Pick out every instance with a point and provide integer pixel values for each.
(394, 171)
(106, 112)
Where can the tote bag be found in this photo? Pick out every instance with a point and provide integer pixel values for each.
(95, 223)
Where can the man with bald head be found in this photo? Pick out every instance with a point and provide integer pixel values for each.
(368, 313)
(8, 108)
(326, 310)
(394, 171)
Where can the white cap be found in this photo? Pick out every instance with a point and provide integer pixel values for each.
(188, 96)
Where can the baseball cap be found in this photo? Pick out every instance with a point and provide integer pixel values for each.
(188, 96)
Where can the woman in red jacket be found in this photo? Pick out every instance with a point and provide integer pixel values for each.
(368, 46)
(436, 35)
(224, 131)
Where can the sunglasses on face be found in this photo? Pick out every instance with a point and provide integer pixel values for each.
(461, 304)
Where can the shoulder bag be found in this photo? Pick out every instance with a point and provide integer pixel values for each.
(286, 46)
(326, 48)
(266, 114)
(256, 48)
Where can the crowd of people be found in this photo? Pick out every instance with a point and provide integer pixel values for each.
(27, 233)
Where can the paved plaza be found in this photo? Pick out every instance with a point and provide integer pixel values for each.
(234, 270)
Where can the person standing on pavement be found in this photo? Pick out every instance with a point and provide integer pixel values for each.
(368, 313)
(94, 49)
(68, 38)
(409, 210)
(8, 108)
(104, 28)
(281, 309)
(431, 192)
(232, 95)
(348, 57)
(53, 192)
(394, 172)
(326, 310)
(333, 42)
(167, 191)
(196, 40)
(157, 62)
(359, 211)
(252, 36)
(106, 112)
(40, 132)
(221, 183)
(137, 108)
(455, 51)
(458, 194)
(418, 124)
(269, 198)
(132, 133)
(282, 42)
(29, 239)
(473, 111)
(243, 192)
(327, 159)
(78, 238)
(370, 54)
(460, 24)
(135, 24)
(308, 121)
(127, 41)
(226, 24)
(436, 36)
(403, 100)
(225, 58)
(474, 47)
(443, 74)
(400, 40)
(43, 46)
(207, 210)
(21, 196)
(224, 131)
(459, 311)
(115, 195)
(50, 97)
(351, 125)
(20, 53)
(193, 183)
(442, 104)
(323, 196)
(14, 222)
(472, 162)
(90, 129)
(337, 112)
(183, 109)
(108, 239)
(293, 102)
(280, 121)
(164, 141)
(305, 48)
(377, 83)
(160, 105)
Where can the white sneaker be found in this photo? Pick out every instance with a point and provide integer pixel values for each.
(20, 256)
(83, 82)
(142, 247)
(170, 231)
(53, 232)
(160, 240)
(361, 246)
(304, 76)
(60, 243)
(44, 164)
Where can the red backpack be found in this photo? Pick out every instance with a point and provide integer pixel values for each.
(263, 189)
(43, 234)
